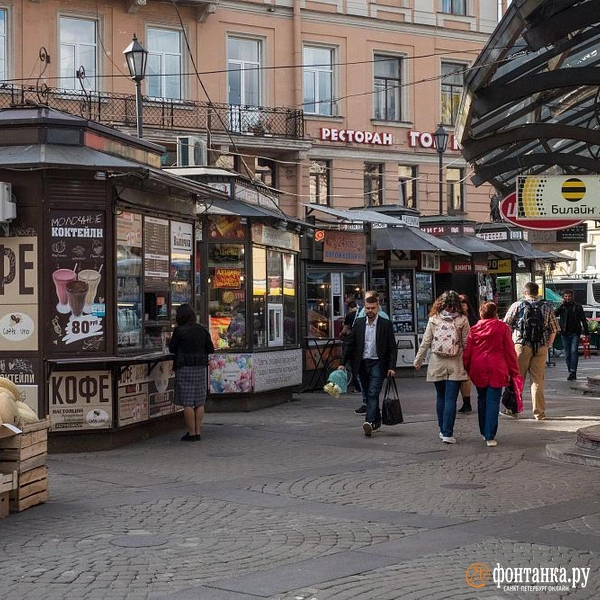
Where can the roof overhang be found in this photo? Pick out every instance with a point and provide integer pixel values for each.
(531, 99)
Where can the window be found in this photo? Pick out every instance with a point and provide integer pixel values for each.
(456, 199)
(387, 88)
(454, 7)
(407, 186)
(318, 80)
(227, 292)
(320, 181)
(163, 72)
(373, 177)
(327, 297)
(265, 171)
(78, 48)
(588, 258)
(274, 301)
(453, 76)
(243, 71)
(3, 52)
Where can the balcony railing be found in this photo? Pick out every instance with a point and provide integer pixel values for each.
(118, 110)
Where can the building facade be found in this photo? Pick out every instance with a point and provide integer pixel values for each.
(331, 103)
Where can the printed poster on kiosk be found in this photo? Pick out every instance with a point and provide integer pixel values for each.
(77, 256)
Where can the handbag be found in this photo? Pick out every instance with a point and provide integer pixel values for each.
(391, 410)
(509, 398)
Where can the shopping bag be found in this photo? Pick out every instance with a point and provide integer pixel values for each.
(391, 411)
(518, 385)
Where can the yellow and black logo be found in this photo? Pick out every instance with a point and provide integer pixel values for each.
(573, 190)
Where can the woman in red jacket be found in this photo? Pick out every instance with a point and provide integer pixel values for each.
(491, 361)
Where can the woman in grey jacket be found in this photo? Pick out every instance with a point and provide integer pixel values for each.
(446, 336)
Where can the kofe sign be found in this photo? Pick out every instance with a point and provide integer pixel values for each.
(77, 280)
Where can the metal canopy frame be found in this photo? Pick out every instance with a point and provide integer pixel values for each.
(532, 99)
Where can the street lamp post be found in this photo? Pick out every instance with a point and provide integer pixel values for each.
(440, 139)
(137, 57)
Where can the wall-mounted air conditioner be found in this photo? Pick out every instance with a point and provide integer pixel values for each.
(191, 151)
(8, 207)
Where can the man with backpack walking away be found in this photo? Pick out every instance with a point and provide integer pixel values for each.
(572, 321)
(534, 328)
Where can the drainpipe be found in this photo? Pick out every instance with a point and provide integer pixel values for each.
(297, 24)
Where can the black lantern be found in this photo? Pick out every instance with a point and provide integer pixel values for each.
(440, 139)
(137, 57)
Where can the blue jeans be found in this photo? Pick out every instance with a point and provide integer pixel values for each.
(371, 376)
(447, 393)
(488, 407)
(571, 346)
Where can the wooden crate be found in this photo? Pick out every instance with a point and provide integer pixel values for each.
(8, 482)
(27, 450)
(32, 489)
(4, 504)
(25, 454)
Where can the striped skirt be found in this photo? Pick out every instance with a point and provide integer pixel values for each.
(190, 386)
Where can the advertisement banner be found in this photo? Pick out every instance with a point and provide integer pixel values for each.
(18, 293)
(551, 197)
(346, 248)
(80, 400)
(274, 370)
(77, 280)
(230, 373)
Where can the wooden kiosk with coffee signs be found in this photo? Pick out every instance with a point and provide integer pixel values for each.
(96, 259)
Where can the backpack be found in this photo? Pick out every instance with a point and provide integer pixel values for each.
(531, 324)
(445, 339)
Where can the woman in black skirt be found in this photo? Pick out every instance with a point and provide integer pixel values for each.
(191, 345)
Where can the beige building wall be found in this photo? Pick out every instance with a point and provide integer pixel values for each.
(417, 31)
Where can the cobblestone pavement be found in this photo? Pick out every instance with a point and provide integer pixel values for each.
(295, 503)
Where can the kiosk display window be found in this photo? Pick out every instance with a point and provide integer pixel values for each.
(129, 281)
(424, 285)
(227, 296)
(401, 301)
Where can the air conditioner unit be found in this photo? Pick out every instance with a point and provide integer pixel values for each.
(8, 207)
(191, 151)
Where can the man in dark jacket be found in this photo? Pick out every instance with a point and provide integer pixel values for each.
(372, 352)
(572, 321)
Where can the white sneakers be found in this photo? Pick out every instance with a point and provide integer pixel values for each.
(491, 443)
(448, 440)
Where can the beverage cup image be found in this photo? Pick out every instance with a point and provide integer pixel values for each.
(61, 277)
(92, 278)
(76, 292)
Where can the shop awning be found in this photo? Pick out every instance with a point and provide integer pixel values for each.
(355, 216)
(411, 238)
(220, 206)
(525, 250)
(63, 157)
(475, 245)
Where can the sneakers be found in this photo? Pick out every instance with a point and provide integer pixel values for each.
(361, 410)
(572, 377)
(367, 428)
(441, 436)
(448, 440)
(507, 413)
(491, 443)
(540, 418)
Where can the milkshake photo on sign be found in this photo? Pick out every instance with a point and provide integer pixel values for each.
(61, 277)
